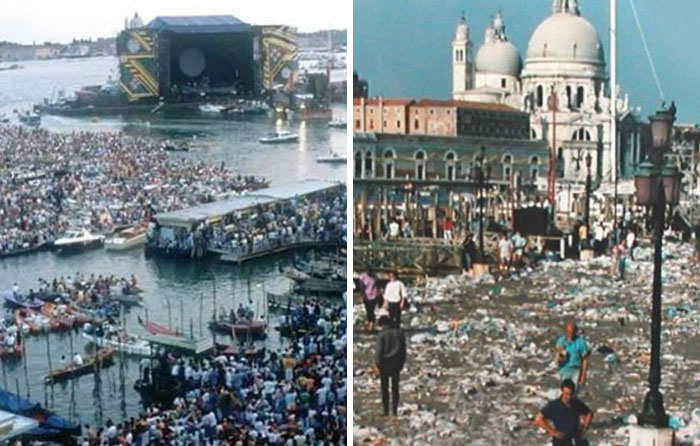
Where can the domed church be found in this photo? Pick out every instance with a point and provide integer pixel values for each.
(565, 57)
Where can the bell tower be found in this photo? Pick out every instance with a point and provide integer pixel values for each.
(462, 64)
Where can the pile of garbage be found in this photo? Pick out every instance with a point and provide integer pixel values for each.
(480, 362)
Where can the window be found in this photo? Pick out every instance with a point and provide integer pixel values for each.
(357, 124)
(389, 156)
(358, 165)
(432, 111)
(540, 96)
(371, 124)
(450, 166)
(384, 124)
(568, 96)
(507, 165)
(415, 124)
(420, 165)
(369, 164)
(534, 168)
(503, 82)
(398, 124)
(579, 97)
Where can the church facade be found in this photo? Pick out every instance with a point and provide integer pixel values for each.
(562, 84)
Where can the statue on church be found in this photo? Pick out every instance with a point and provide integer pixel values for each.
(499, 27)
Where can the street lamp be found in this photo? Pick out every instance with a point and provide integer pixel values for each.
(588, 192)
(482, 177)
(657, 185)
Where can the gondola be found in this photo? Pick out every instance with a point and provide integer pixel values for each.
(102, 358)
(13, 301)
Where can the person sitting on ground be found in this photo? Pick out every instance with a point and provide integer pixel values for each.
(566, 419)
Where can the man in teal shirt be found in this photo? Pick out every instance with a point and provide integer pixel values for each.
(573, 353)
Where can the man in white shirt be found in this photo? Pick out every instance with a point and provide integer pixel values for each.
(77, 360)
(393, 230)
(394, 296)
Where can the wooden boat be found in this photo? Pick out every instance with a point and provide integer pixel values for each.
(22, 251)
(241, 328)
(58, 322)
(103, 358)
(30, 321)
(157, 329)
(126, 239)
(20, 301)
(14, 352)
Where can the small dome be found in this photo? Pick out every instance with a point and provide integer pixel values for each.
(566, 37)
(499, 57)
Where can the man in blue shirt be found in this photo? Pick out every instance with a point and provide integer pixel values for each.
(573, 353)
(565, 419)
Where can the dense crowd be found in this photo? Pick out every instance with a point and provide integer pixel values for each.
(307, 219)
(295, 397)
(51, 181)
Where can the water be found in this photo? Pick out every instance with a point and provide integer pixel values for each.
(184, 287)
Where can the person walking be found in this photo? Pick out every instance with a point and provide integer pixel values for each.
(394, 298)
(389, 359)
(369, 296)
(468, 254)
(565, 419)
(505, 248)
(573, 353)
(447, 229)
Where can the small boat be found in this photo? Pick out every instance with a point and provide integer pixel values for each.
(174, 148)
(157, 329)
(22, 251)
(332, 158)
(59, 319)
(240, 328)
(279, 137)
(121, 342)
(126, 239)
(13, 300)
(51, 426)
(30, 118)
(15, 351)
(78, 240)
(338, 124)
(101, 358)
(30, 321)
(211, 108)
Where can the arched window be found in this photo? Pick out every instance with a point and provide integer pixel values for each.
(560, 162)
(581, 135)
(369, 164)
(579, 96)
(358, 165)
(540, 96)
(568, 96)
(533, 133)
(451, 166)
(420, 165)
(389, 156)
(534, 168)
(507, 161)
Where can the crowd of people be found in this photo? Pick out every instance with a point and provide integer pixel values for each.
(319, 219)
(51, 181)
(292, 397)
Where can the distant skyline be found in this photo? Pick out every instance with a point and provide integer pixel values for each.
(38, 21)
(403, 47)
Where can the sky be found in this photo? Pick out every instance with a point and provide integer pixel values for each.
(28, 21)
(403, 47)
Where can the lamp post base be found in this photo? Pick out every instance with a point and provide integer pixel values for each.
(650, 436)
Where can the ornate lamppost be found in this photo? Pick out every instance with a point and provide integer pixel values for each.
(656, 185)
(483, 174)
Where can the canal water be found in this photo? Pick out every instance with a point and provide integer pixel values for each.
(175, 293)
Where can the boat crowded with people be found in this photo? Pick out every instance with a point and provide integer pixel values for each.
(101, 358)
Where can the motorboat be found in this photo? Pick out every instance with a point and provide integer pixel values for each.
(29, 118)
(126, 239)
(338, 124)
(282, 136)
(211, 108)
(332, 158)
(120, 341)
(78, 240)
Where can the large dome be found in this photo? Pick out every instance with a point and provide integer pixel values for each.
(498, 57)
(565, 37)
